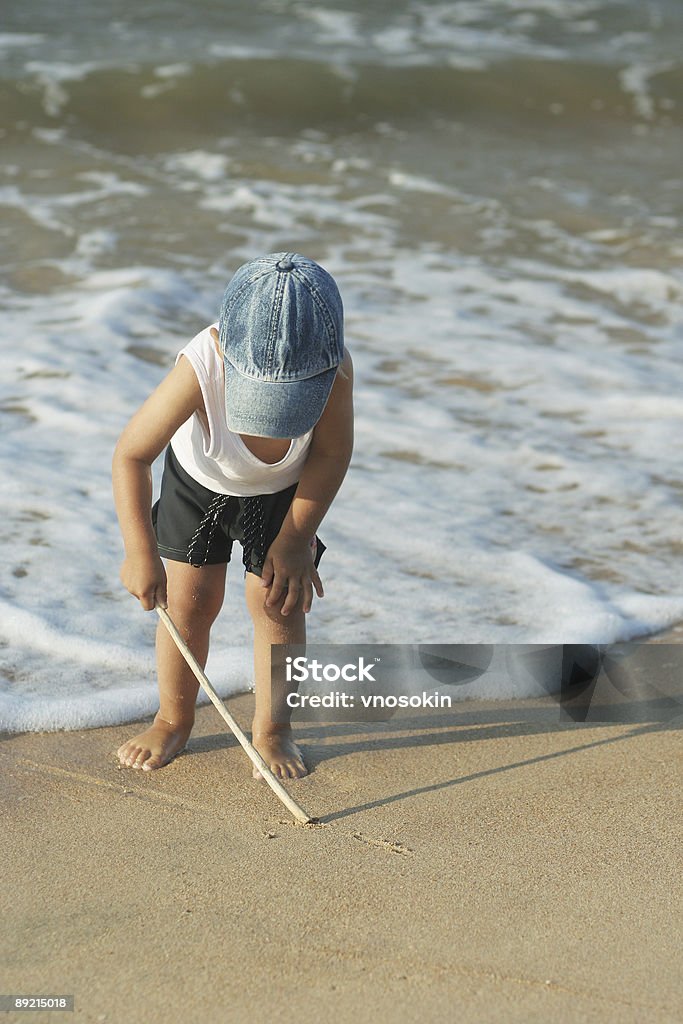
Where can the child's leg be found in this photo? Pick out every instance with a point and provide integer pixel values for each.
(273, 740)
(195, 597)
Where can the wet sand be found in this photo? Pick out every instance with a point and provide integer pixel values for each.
(515, 866)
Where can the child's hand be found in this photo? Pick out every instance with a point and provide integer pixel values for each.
(145, 578)
(290, 567)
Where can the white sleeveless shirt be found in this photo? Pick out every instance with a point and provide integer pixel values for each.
(221, 460)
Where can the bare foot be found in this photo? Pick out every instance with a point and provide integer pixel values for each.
(156, 746)
(280, 752)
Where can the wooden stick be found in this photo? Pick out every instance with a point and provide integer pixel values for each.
(250, 751)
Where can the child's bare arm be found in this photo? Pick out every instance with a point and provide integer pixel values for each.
(289, 562)
(142, 441)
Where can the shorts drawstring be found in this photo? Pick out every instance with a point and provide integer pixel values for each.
(253, 529)
(211, 520)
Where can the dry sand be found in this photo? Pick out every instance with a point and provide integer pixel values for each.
(511, 865)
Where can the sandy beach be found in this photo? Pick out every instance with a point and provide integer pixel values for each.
(513, 867)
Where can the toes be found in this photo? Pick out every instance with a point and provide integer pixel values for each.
(291, 766)
(278, 770)
(296, 764)
(141, 759)
(137, 752)
(297, 769)
(284, 770)
(136, 756)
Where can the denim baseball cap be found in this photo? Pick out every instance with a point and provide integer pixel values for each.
(281, 331)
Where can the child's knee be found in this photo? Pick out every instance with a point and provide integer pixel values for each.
(197, 596)
(261, 612)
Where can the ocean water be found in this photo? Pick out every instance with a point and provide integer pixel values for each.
(495, 184)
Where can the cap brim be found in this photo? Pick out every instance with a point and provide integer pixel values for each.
(269, 409)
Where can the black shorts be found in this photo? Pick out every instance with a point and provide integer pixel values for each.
(196, 525)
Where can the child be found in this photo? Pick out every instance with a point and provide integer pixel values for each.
(258, 419)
